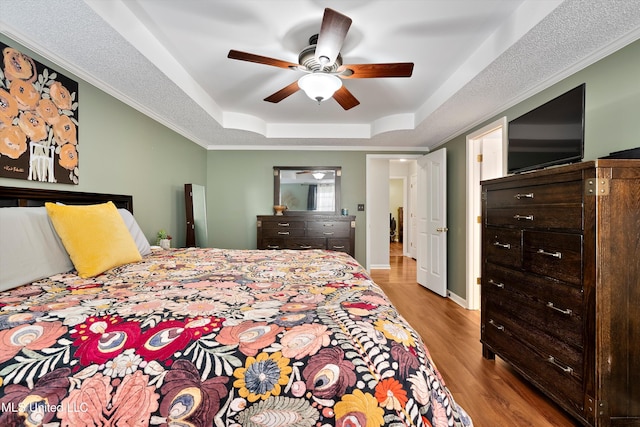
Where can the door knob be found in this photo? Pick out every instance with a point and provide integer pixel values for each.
(442, 229)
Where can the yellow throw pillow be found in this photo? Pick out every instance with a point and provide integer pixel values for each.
(95, 236)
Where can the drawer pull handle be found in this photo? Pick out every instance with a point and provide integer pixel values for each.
(496, 284)
(283, 224)
(328, 224)
(552, 254)
(567, 369)
(524, 196)
(273, 247)
(338, 247)
(502, 245)
(563, 311)
(306, 247)
(527, 217)
(495, 325)
(328, 233)
(283, 233)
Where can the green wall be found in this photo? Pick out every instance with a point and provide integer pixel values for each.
(240, 186)
(612, 123)
(122, 151)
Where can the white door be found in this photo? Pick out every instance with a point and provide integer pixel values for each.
(486, 152)
(413, 223)
(432, 222)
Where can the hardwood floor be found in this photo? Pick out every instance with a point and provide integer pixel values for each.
(490, 391)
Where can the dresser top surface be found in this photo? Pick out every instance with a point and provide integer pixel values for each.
(567, 169)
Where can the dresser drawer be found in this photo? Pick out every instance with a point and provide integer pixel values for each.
(554, 334)
(556, 193)
(305, 243)
(339, 245)
(553, 308)
(561, 297)
(328, 229)
(537, 216)
(550, 372)
(272, 243)
(502, 246)
(282, 232)
(557, 255)
(282, 224)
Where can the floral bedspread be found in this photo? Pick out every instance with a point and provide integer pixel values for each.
(212, 337)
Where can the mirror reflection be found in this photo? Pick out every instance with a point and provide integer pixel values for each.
(196, 206)
(307, 189)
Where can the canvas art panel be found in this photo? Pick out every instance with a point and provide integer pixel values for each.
(38, 121)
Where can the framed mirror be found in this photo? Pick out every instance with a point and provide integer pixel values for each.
(307, 189)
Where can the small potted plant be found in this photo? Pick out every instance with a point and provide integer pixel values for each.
(164, 239)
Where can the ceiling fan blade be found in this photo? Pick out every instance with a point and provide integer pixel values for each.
(368, 71)
(331, 37)
(250, 57)
(283, 93)
(345, 98)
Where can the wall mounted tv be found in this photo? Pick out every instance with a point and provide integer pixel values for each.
(551, 134)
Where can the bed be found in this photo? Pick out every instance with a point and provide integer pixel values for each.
(203, 336)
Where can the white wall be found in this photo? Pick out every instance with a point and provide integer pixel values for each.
(378, 212)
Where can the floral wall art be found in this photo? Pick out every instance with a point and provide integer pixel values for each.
(38, 121)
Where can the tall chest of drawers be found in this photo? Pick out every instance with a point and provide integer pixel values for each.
(560, 297)
(333, 232)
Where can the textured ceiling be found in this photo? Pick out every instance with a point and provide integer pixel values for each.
(473, 59)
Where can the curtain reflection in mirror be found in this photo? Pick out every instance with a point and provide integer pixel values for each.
(307, 189)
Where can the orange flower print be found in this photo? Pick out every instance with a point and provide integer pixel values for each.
(34, 336)
(68, 157)
(64, 131)
(358, 409)
(48, 111)
(18, 65)
(391, 395)
(133, 400)
(304, 340)
(8, 107)
(250, 337)
(26, 95)
(60, 96)
(33, 126)
(13, 142)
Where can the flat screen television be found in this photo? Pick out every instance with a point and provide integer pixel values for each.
(551, 134)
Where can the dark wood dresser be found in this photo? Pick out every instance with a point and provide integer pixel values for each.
(333, 232)
(561, 285)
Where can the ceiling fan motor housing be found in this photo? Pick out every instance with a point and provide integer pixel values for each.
(307, 58)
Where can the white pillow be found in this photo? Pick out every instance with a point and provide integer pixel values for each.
(30, 249)
(138, 236)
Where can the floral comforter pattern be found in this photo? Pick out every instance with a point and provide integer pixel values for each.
(203, 337)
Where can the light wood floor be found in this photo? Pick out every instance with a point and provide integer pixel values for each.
(490, 391)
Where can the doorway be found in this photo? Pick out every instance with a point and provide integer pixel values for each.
(486, 159)
(380, 169)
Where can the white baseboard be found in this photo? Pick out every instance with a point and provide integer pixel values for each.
(380, 267)
(458, 300)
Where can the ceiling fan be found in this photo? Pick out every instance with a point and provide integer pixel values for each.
(322, 64)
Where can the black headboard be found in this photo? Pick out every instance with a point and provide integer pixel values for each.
(23, 197)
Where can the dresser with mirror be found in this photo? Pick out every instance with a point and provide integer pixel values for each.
(309, 214)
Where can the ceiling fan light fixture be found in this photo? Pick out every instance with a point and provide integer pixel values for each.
(319, 86)
(318, 175)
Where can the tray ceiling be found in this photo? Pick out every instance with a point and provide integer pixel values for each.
(473, 59)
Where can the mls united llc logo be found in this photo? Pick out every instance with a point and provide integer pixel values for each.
(41, 407)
